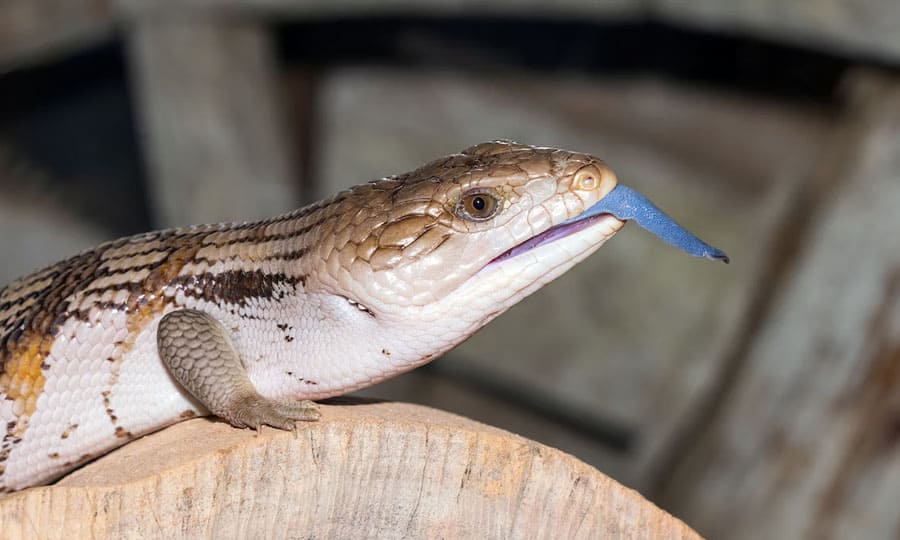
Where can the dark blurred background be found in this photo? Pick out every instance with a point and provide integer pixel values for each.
(758, 400)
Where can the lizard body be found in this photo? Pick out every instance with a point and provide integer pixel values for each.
(247, 321)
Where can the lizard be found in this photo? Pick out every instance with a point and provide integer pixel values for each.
(251, 322)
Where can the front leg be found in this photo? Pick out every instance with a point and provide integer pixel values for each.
(200, 355)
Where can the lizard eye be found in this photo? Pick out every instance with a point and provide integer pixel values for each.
(477, 206)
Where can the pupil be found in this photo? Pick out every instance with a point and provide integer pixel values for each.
(478, 203)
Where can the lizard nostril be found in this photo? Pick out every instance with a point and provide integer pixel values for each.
(594, 178)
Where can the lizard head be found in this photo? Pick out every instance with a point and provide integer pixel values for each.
(458, 241)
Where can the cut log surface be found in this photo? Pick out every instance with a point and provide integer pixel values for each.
(367, 470)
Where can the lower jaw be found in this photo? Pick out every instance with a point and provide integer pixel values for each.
(505, 281)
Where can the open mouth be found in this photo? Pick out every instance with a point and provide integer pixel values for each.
(552, 234)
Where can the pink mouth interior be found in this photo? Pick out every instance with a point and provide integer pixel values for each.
(550, 235)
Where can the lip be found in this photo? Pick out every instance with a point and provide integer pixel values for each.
(553, 234)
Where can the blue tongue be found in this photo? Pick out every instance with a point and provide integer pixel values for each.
(627, 204)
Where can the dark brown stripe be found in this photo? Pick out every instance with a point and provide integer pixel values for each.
(290, 255)
(236, 287)
(29, 280)
(20, 300)
(261, 238)
(141, 253)
(131, 286)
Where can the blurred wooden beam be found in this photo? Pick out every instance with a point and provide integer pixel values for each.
(857, 27)
(807, 442)
(377, 470)
(362, 8)
(868, 28)
(32, 31)
(211, 110)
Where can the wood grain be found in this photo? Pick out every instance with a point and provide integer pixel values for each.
(385, 470)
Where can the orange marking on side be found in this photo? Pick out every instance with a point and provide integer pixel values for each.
(23, 379)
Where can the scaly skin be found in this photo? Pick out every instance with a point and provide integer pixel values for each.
(318, 302)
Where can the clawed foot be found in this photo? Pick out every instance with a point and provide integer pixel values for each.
(200, 355)
(255, 411)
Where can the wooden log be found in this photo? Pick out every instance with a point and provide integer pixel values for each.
(367, 470)
(212, 118)
(807, 442)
